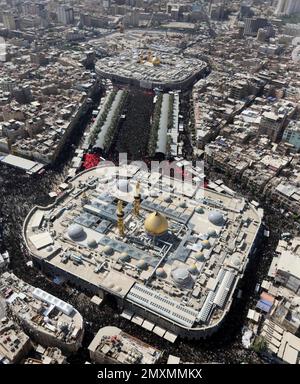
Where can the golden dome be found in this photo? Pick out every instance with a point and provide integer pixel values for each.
(156, 224)
(205, 244)
(155, 60)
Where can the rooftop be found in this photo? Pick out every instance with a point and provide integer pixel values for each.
(14, 343)
(158, 267)
(123, 348)
(40, 310)
(133, 65)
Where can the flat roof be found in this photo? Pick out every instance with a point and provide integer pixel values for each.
(179, 25)
(41, 240)
(290, 263)
(20, 162)
(110, 337)
(173, 359)
(289, 348)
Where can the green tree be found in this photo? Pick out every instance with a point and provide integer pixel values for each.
(259, 344)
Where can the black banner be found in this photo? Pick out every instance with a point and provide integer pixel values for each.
(206, 373)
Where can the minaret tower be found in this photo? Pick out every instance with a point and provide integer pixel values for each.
(120, 214)
(137, 199)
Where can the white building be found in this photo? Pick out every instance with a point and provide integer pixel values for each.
(287, 7)
(292, 134)
(9, 21)
(288, 270)
(289, 350)
(65, 14)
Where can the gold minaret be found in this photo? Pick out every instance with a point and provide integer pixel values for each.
(137, 199)
(120, 215)
(149, 56)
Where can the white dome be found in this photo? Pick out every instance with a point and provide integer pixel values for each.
(181, 276)
(160, 272)
(124, 257)
(211, 232)
(193, 269)
(117, 288)
(168, 199)
(141, 264)
(92, 243)
(108, 250)
(124, 186)
(236, 261)
(216, 218)
(75, 231)
(199, 210)
(206, 244)
(199, 256)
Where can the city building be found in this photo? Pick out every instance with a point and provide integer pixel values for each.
(45, 318)
(217, 99)
(4, 261)
(154, 67)
(285, 192)
(275, 119)
(113, 346)
(9, 20)
(292, 134)
(65, 15)
(271, 124)
(36, 120)
(214, 79)
(14, 343)
(289, 350)
(149, 71)
(277, 321)
(287, 7)
(49, 355)
(245, 11)
(287, 267)
(217, 12)
(292, 29)
(252, 25)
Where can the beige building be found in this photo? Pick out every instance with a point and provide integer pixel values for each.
(14, 343)
(289, 350)
(288, 270)
(47, 356)
(45, 318)
(113, 346)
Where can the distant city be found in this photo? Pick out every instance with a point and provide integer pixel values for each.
(149, 182)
